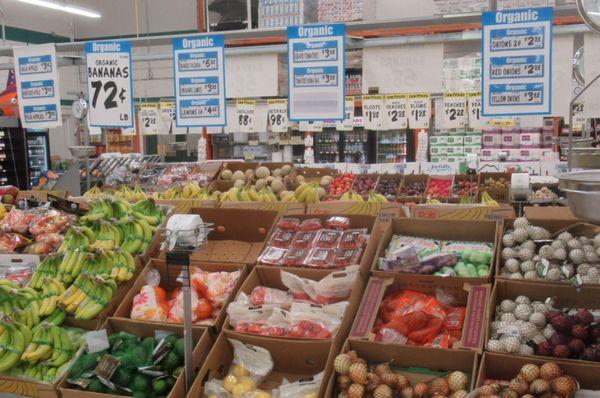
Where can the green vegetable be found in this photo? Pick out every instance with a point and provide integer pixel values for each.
(95, 386)
(171, 382)
(160, 386)
(482, 273)
(180, 348)
(84, 363)
(170, 362)
(172, 339)
(140, 394)
(149, 343)
(446, 271)
(121, 377)
(478, 257)
(471, 270)
(141, 383)
(177, 371)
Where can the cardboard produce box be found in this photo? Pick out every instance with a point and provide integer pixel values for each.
(409, 179)
(469, 231)
(184, 206)
(201, 338)
(549, 212)
(169, 282)
(474, 297)
(370, 223)
(40, 196)
(118, 297)
(395, 178)
(498, 194)
(505, 367)
(238, 235)
(293, 360)
(418, 364)
(271, 277)
(462, 212)
(314, 174)
(287, 208)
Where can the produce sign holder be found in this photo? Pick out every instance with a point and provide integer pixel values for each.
(271, 277)
(168, 281)
(497, 366)
(293, 360)
(201, 338)
(474, 297)
(464, 230)
(238, 235)
(563, 294)
(412, 359)
(40, 196)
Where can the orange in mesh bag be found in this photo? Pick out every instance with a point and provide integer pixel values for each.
(150, 304)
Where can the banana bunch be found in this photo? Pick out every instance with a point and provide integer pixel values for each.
(72, 263)
(51, 290)
(107, 235)
(289, 198)
(191, 190)
(51, 344)
(57, 317)
(148, 211)
(124, 192)
(92, 192)
(376, 197)
(88, 296)
(48, 267)
(137, 234)
(466, 199)
(236, 194)
(263, 195)
(308, 192)
(99, 209)
(77, 237)
(13, 339)
(123, 266)
(433, 201)
(20, 302)
(487, 200)
(352, 196)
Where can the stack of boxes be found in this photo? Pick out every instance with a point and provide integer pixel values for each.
(453, 145)
(516, 144)
(462, 74)
(341, 10)
(281, 13)
(445, 7)
(511, 4)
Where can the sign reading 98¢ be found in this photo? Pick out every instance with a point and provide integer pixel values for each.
(109, 83)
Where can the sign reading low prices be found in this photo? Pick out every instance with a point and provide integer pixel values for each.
(517, 62)
(316, 70)
(199, 64)
(37, 86)
(109, 83)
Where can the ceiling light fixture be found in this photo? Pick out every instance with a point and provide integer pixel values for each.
(62, 7)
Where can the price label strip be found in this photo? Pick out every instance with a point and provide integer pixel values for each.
(148, 119)
(109, 83)
(311, 126)
(579, 118)
(199, 72)
(476, 119)
(245, 115)
(37, 86)
(373, 112)
(316, 69)
(395, 110)
(166, 116)
(277, 115)
(348, 123)
(516, 72)
(455, 110)
(419, 105)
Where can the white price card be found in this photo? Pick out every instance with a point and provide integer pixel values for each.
(277, 115)
(311, 126)
(455, 110)
(96, 341)
(109, 83)
(199, 73)
(579, 117)
(348, 123)
(476, 119)
(316, 70)
(245, 115)
(419, 106)
(372, 109)
(36, 74)
(395, 107)
(166, 115)
(517, 62)
(148, 118)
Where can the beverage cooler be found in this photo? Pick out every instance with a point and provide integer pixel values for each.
(14, 167)
(392, 146)
(38, 154)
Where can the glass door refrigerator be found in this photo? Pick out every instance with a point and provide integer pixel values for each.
(38, 155)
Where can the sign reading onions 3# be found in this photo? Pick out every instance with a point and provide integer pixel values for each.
(37, 86)
(199, 65)
(316, 71)
(517, 62)
(109, 81)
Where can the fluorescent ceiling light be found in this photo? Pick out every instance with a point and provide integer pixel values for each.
(63, 7)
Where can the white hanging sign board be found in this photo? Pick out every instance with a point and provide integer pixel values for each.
(199, 66)
(419, 105)
(245, 115)
(38, 90)
(579, 117)
(91, 129)
(312, 126)
(109, 83)
(395, 106)
(455, 110)
(372, 106)
(517, 62)
(316, 71)
(476, 119)
(148, 116)
(166, 115)
(348, 123)
(277, 115)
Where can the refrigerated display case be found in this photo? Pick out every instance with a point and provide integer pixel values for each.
(13, 154)
(38, 154)
(391, 146)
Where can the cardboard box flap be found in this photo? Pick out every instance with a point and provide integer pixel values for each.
(369, 307)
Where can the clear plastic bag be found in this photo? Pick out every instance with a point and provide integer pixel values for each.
(305, 388)
(313, 321)
(333, 288)
(262, 295)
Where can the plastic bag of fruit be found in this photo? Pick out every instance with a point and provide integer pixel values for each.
(312, 321)
(333, 288)
(264, 320)
(49, 221)
(305, 388)
(175, 313)
(262, 295)
(9, 242)
(17, 221)
(150, 304)
(18, 273)
(214, 286)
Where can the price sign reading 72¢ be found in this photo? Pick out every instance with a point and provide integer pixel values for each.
(109, 84)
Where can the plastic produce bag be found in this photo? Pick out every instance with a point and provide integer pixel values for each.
(305, 388)
(175, 314)
(264, 320)
(9, 242)
(150, 304)
(262, 295)
(50, 221)
(312, 321)
(214, 286)
(17, 221)
(333, 288)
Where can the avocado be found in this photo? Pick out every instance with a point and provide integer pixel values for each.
(171, 339)
(180, 348)
(121, 377)
(140, 394)
(149, 343)
(160, 386)
(141, 383)
(140, 355)
(171, 382)
(170, 362)
(177, 371)
(95, 386)
(84, 363)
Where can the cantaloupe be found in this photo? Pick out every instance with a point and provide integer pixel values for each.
(321, 191)
(270, 179)
(262, 172)
(226, 174)
(260, 184)
(287, 169)
(238, 175)
(249, 174)
(239, 183)
(277, 173)
(277, 185)
(300, 179)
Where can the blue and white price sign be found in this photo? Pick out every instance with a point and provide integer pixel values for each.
(110, 87)
(517, 62)
(316, 70)
(37, 86)
(199, 65)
